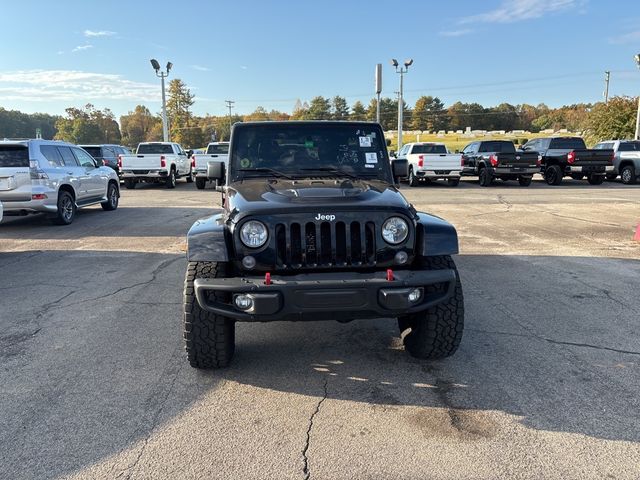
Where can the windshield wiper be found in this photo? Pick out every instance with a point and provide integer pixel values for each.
(266, 170)
(336, 171)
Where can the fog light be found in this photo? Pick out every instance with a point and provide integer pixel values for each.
(401, 258)
(248, 262)
(415, 295)
(243, 302)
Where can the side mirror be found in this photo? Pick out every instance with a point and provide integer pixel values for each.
(400, 169)
(189, 153)
(388, 142)
(457, 151)
(215, 171)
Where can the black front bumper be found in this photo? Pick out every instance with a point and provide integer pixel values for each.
(326, 296)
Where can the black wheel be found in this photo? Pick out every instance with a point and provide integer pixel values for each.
(190, 176)
(577, 176)
(628, 175)
(130, 183)
(485, 178)
(453, 182)
(525, 181)
(436, 332)
(553, 175)
(209, 338)
(595, 179)
(66, 209)
(413, 180)
(612, 176)
(201, 183)
(171, 179)
(112, 198)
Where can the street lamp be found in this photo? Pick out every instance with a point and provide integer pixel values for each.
(401, 71)
(163, 75)
(637, 58)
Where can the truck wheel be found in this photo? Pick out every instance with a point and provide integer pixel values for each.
(413, 180)
(171, 179)
(525, 181)
(485, 178)
(595, 179)
(201, 183)
(436, 332)
(628, 175)
(112, 198)
(612, 176)
(129, 183)
(553, 175)
(66, 209)
(453, 182)
(577, 176)
(209, 338)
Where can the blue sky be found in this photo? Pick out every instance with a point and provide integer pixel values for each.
(269, 53)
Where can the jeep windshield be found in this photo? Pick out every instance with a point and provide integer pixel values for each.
(309, 150)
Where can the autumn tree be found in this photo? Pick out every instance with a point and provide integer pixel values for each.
(88, 125)
(613, 120)
(140, 125)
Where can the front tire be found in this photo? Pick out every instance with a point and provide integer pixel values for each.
(436, 332)
(413, 180)
(171, 179)
(209, 338)
(453, 182)
(129, 183)
(190, 176)
(525, 181)
(553, 175)
(628, 175)
(66, 211)
(595, 179)
(201, 183)
(112, 198)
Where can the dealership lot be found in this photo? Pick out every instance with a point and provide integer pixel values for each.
(546, 382)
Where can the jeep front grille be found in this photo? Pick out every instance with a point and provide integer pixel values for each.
(325, 244)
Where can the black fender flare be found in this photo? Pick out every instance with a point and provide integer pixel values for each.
(435, 236)
(208, 240)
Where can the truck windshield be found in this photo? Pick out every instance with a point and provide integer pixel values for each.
(569, 143)
(309, 150)
(218, 149)
(629, 147)
(498, 147)
(429, 148)
(154, 148)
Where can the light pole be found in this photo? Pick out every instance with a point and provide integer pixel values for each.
(401, 71)
(637, 57)
(163, 75)
(230, 106)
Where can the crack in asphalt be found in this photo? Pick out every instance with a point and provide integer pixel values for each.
(580, 219)
(305, 470)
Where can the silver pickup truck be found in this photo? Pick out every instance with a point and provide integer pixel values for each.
(626, 159)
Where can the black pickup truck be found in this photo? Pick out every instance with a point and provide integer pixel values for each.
(313, 227)
(499, 159)
(569, 156)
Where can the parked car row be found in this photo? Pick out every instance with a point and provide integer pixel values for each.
(553, 157)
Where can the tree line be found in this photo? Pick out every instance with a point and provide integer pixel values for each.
(616, 119)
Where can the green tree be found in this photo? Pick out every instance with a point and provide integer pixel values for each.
(339, 108)
(462, 115)
(613, 120)
(137, 126)
(15, 124)
(258, 115)
(182, 127)
(358, 112)
(319, 109)
(429, 114)
(88, 125)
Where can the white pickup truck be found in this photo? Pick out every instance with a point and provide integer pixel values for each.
(155, 162)
(431, 161)
(216, 151)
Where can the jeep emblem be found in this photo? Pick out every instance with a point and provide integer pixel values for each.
(330, 218)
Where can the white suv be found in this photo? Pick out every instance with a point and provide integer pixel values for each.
(46, 176)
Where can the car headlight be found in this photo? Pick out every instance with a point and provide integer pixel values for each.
(395, 230)
(254, 234)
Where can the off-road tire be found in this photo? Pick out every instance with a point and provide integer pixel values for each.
(413, 180)
(112, 198)
(66, 211)
(553, 175)
(628, 175)
(130, 183)
(484, 177)
(595, 179)
(525, 181)
(453, 182)
(436, 332)
(201, 183)
(171, 179)
(209, 338)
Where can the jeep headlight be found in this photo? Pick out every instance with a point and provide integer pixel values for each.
(395, 230)
(254, 234)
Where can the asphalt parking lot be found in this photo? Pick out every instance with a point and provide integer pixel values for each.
(546, 384)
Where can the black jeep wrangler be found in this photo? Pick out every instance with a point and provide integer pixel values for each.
(313, 227)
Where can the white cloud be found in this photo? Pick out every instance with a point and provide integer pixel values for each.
(517, 10)
(72, 85)
(98, 33)
(200, 68)
(81, 48)
(455, 33)
(243, 67)
(629, 37)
